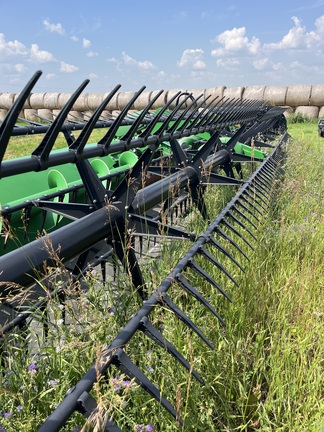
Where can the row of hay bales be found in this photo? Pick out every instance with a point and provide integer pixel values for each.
(304, 99)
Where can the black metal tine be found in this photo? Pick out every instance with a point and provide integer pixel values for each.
(131, 265)
(182, 116)
(8, 123)
(203, 153)
(252, 204)
(165, 300)
(264, 183)
(149, 330)
(43, 150)
(194, 115)
(196, 267)
(261, 188)
(218, 246)
(202, 114)
(244, 216)
(82, 139)
(87, 406)
(256, 193)
(124, 363)
(253, 195)
(155, 227)
(133, 129)
(165, 124)
(183, 282)
(127, 188)
(222, 233)
(179, 155)
(110, 135)
(240, 223)
(156, 119)
(235, 231)
(245, 208)
(214, 261)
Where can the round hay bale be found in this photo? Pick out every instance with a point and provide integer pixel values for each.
(275, 95)
(310, 112)
(124, 98)
(289, 111)
(30, 114)
(171, 93)
(160, 101)
(86, 115)
(36, 101)
(214, 94)
(106, 114)
(113, 103)
(235, 92)
(51, 101)
(93, 101)
(63, 99)
(317, 95)
(75, 115)
(298, 95)
(321, 112)
(254, 93)
(142, 101)
(45, 113)
(26, 103)
(3, 114)
(81, 104)
(6, 100)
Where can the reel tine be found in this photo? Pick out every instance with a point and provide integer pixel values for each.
(165, 300)
(124, 363)
(183, 282)
(148, 329)
(210, 258)
(196, 267)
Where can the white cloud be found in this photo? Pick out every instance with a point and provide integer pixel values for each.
(228, 63)
(234, 41)
(19, 67)
(11, 48)
(192, 58)
(92, 54)
(86, 43)
(298, 38)
(40, 56)
(143, 65)
(93, 76)
(74, 38)
(51, 76)
(53, 28)
(261, 63)
(68, 68)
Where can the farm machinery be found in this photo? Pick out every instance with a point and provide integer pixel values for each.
(79, 205)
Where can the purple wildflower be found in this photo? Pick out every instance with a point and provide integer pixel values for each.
(32, 368)
(127, 383)
(53, 382)
(2, 429)
(149, 428)
(7, 414)
(19, 408)
(139, 427)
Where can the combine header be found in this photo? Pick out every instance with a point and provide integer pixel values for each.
(80, 205)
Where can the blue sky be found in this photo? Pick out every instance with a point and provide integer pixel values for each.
(166, 44)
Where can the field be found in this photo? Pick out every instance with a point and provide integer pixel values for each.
(266, 371)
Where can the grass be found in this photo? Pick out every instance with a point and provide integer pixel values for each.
(266, 371)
